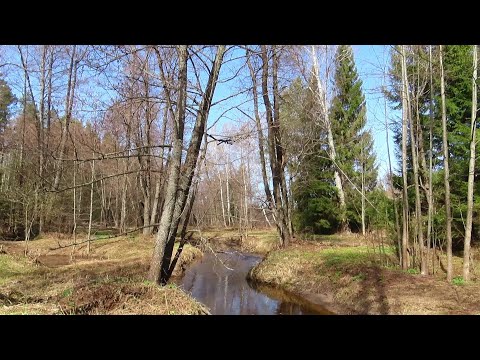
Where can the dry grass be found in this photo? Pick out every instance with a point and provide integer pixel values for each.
(257, 241)
(43, 282)
(260, 241)
(357, 283)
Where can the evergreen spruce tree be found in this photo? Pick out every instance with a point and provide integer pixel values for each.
(355, 144)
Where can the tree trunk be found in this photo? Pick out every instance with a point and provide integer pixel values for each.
(363, 192)
(229, 211)
(323, 110)
(68, 114)
(174, 170)
(175, 205)
(281, 160)
(448, 210)
(158, 186)
(74, 232)
(404, 162)
(192, 157)
(471, 172)
(221, 200)
(260, 137)
(91, 206)
(278, 209)
(413, 147)
(430, 162)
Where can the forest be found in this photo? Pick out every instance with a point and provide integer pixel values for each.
(238, 179)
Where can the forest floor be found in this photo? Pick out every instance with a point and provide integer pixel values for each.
(348, 275)
(111, 280)
(345, 274)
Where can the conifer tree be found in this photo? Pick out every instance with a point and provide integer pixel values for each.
(355, 157)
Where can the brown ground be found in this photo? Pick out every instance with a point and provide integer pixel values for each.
(350, 279)
(110, 280)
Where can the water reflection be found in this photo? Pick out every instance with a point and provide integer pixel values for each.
(219, 281)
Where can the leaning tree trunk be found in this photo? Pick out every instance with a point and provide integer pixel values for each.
(471, 172)
(192, 157)
(448, 210)
(178, 188)
(174, 170)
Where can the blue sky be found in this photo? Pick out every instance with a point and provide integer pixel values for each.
(371, 61)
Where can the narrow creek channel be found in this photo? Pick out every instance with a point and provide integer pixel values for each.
(219, 281)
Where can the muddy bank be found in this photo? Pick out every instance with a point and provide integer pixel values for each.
(352, 280)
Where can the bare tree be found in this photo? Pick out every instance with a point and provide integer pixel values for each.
(178, 185)
(72, 75)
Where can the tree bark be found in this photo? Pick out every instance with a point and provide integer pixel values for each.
(229, 211)
(430, 162)
(404, 162)
(192, 157)
(280, 219)
(323, 110)
(260, 137)
(281, 160)
(471, 172)
(413, 147)
(68, 114)
(221, 200)
(159, 180)
(363, 191)
(91, 207)
(174, 170)
(175, 204)
(448, 210)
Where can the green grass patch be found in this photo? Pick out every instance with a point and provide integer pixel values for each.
(346, 256)
(11, 267)
(66, 293)
(330, 238)
(359, 277)
(458, 280)
(102, 236)
(413, 271)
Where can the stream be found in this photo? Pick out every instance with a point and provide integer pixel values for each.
(219, 281)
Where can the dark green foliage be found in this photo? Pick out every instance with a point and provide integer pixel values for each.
(6, 100)
(457, 62)
(315, 196)
(316, 203)
(354, 144)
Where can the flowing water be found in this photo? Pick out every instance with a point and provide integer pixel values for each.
(219, 281)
